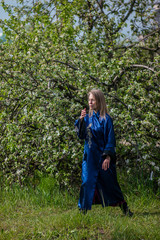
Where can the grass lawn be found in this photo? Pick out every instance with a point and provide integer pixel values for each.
(47, 213)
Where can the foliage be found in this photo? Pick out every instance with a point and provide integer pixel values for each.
(2, 39)
(55, 51)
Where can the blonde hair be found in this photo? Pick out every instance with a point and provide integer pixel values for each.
(100, 102)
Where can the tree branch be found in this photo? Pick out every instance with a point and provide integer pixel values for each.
(100, 4)
(149, 49)
(142, 66)
(144, 38)
(85, 73)
(126, 17)
(130, 67)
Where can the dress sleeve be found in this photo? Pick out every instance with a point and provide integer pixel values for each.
(80, 128)
(110, 142)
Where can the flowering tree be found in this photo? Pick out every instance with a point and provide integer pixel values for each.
(55, 51)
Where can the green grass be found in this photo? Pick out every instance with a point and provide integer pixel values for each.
(48, 213)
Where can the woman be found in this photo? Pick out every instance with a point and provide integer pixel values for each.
(99, 178)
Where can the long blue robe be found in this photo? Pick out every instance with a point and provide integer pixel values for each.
(99, 142)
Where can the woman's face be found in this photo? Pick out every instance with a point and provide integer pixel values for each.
(92, 102)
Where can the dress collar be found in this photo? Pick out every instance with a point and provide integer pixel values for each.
(96, 114)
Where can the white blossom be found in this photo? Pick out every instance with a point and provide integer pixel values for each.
(58, 133)
(156, 168)
(127, 161)
(152, 163)
(159, 182)
(151, 176)
(18, 172)
(128, 171)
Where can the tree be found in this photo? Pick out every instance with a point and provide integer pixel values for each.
(55, 52)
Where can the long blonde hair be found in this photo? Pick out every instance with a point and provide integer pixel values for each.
(100, 102)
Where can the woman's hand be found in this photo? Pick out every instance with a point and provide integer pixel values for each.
(83, 113)
(106, 163)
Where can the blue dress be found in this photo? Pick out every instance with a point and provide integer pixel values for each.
(98, 186)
